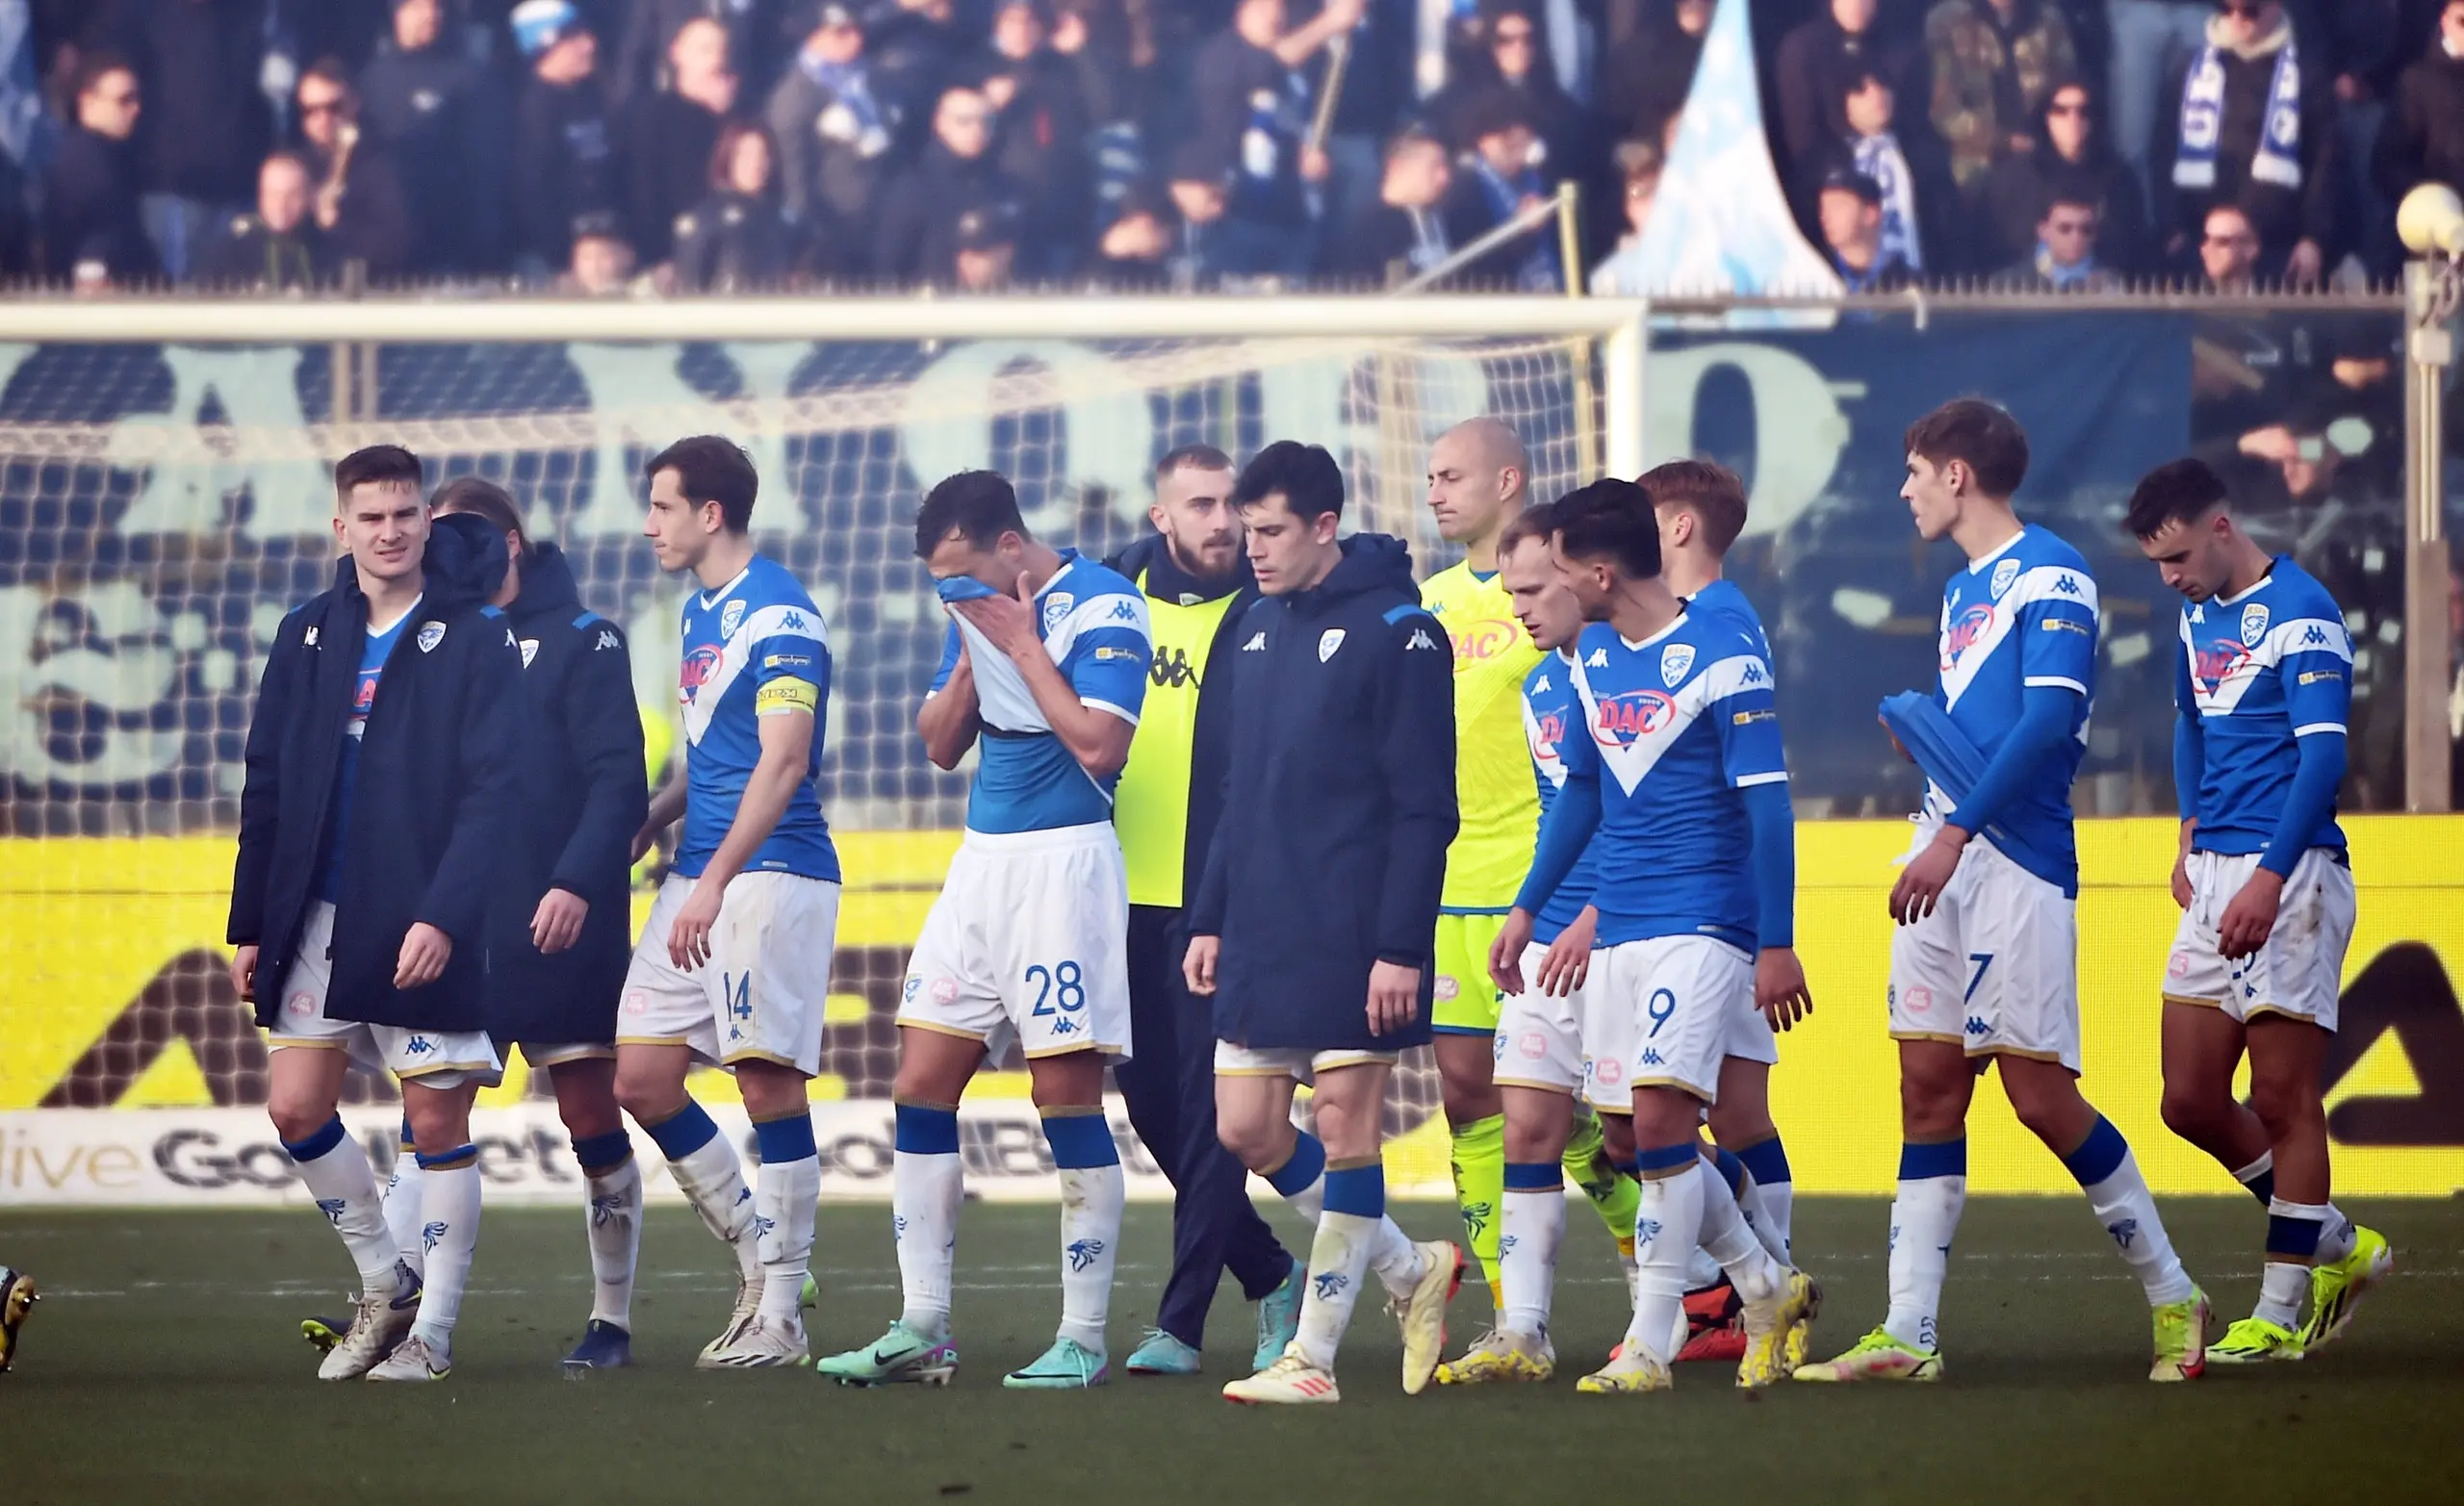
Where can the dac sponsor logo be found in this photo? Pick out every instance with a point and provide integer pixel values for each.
(1484, 638)
(1632, 714)
(1965, 632)
(699, 665)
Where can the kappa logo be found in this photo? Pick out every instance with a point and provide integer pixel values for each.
(1056, 606)
(1257, 642)
(1598, 659)
(1674, 661)
(792, 623)
(731, 618)
(2254, 623)
(1420, 639)
(607, 639)
(430, 635)
(420, 1046)
(1653, 1059)
(2067, 585)
(1124, 610)
(2314, 636)
(529, 651)
(1540, 685)
(2004, 574)
(1976, 1025)
(1328, 641)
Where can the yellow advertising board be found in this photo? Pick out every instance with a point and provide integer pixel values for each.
(113, 995)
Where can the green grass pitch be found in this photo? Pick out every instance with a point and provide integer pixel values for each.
(165, 1366)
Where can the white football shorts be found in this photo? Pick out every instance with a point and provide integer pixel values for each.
(759, 997)
(1566, 1045)
(1995, 968)
(1686, 1003)
(1297, 1063)
(2298, 972)
(433, 1059)
(1029, 940)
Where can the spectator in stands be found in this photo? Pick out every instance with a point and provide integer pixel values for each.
(1136, 249)
(754, 32)
(1403, 234)
(671, 132)
(2065, 258)
(2229, 249)
(915, 47)
(1517, 58)
(601, 263)
(1042, 131)
(1201, 200)
(92, 230)
(424, 101)
(983, 245)
(833, 127)
(1925, 223)
(1644, 79)
(1819, 63)
(1851, 208)
(359, 200)
(2150, 42)
(1500, 180)
(737, 237)
(1377, 98)
(207, 123)
(1994, 63)
(564, 148)
(2422, 139)
(1621, 273)
(1253, 115)
(277, 247)
(2255, 126)
(916, 219)
(2069, 155)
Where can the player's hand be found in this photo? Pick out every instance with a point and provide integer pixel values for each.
(2252, 915)
(642, 841)
(1198, 963)
(425, 951)
(1506, 953)
(2182, 895)
(1569, 959)
(1780, 988)
(1394, 996)
(556, 924)
(1007, 621)
(244, 973)
(1921, 883)
(688, 940)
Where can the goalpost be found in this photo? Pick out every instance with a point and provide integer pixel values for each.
(163, 498)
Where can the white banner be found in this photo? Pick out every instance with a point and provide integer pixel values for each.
(230, 1157)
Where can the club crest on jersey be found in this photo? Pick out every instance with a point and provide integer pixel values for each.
(1674, 661)
(1966, 632)
(430, 635)
(2254, 623)
(1056, 606)
(698, 668)
(731, 618)
(529, 651)
(1632, 714)
(1328, 641)
(2004, 574)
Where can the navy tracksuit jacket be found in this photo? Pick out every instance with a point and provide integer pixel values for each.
(434, 798)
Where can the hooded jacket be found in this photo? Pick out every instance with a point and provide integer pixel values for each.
(582, 793)
(1343, 769)
(434, 797)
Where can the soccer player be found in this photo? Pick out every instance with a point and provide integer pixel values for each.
(1695, 888)
(381, 772)
(561, 927)
(2262, 686)
(734, 962)
(1984, 963)
(1314, 923)
(1046, 663)
(1479, 480)
(1195, 579)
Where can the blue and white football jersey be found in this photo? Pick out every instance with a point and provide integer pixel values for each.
(1677, 724)
(2024, 614)
(1093, 621)
(375, 649)
(1723, 596)
(754, 648)
(1550, 713)
(2261, 671)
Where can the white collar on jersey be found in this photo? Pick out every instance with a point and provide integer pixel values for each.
(712, 598)
(2005, 547)
(375, 631)
(1645, 643)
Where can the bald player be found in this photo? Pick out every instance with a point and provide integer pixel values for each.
(1479, 481)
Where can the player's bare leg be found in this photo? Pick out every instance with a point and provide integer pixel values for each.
(585, 1088)
(1476, 1125)
(304, 1088)
(1742, 1122)
(650, 1087)
(1531, 1224)
(1070, 1094)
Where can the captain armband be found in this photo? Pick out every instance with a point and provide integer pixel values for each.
(785, 694)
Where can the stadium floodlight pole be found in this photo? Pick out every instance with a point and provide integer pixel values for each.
(2432, 222)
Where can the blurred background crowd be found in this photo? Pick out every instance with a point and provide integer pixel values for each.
(1188, 143)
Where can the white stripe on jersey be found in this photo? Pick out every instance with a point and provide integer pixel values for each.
(2044, 584)
(2300, 635)
(759, 625)
(1633, 763)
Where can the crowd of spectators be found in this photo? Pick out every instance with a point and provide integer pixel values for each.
(718, 143)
